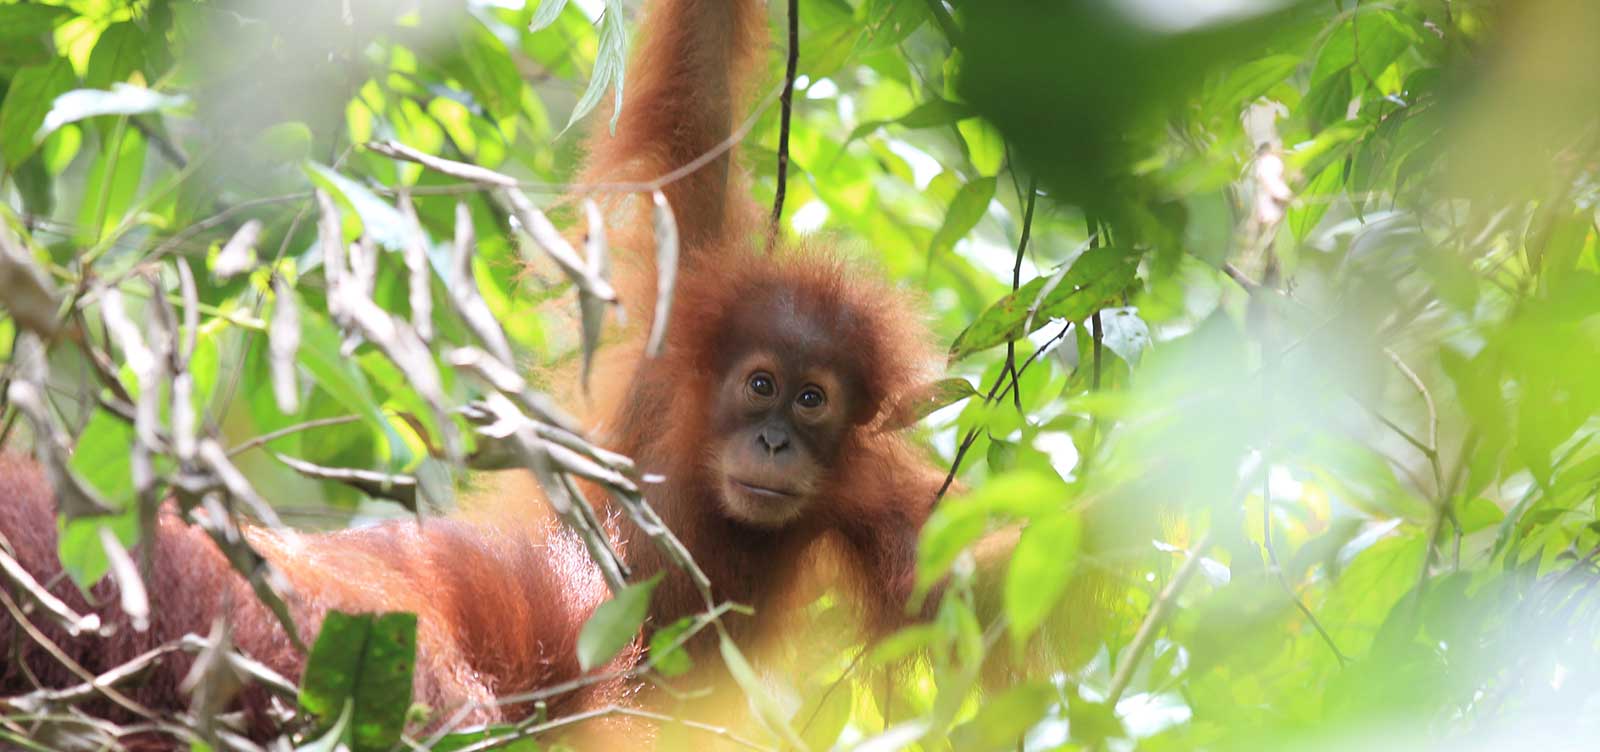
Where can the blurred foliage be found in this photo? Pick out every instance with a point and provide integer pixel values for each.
(1317, 411)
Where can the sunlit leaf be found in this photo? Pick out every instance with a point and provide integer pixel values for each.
(929, 114)
(1002, 721)
(1088, 282)
(1041, 567)
(985, 146)
(968, 207)
(766, 706)
(958, 522)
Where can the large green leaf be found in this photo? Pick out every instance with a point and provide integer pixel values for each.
(25, 33)
(27, 101)
(117, 55)
(615, 623)
(363, 663)
(1092, 279)
(929, 114)
(965, 210)
(113, 184)
(958, 522)
(1041, 567)
(1003, 720)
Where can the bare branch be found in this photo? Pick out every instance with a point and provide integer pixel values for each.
(283, 344)
(420, 282)
(464, 291)
(25, 290)
(70, 620)
(398, 487)
(549, 239)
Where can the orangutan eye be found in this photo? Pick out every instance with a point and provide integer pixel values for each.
(811, 398)
(762, 385)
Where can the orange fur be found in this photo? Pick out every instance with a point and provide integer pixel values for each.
(500, 590)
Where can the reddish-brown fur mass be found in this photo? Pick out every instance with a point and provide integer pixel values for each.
(500, 590)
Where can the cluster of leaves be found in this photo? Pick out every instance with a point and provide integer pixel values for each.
(1269, 330)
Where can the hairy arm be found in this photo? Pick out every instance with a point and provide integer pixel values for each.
(681, 92)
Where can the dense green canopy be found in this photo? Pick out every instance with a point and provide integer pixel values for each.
(1278, 321)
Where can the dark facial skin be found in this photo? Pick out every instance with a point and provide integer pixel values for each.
(782, 418)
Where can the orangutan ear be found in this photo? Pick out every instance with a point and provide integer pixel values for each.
(918, 402)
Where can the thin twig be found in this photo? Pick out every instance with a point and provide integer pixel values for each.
(56, 652)
(1016, 282)
(263, 439)
(589, 715)
(480, 176)
(998, 391)
(1153, 619)
(787, 99)
(555, 690)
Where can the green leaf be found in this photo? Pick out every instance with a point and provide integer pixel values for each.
(669, 659)
(364, 662)
(34, 183)
(965, 210)
(956, 523)
(1478, 513)
(379, 219)
(929, 114)
(27, 101)
(101, 458)
(756, 692)
(825, 714)
(985, 146)
(122, 99)
(28, 19)
(1073, 294)
(1376, 34)
(1003, 720)
(1002, 455)
(889, 22)
(1251, 80)
(904, 644)
(498, 84)
(1330, 145)
(113, 184)
(924, 401)
(118, 53)
(1313, 201)
(1041, 567)
(615, 623)
(337, 375)
(1327, 101)
(25, 31)
(78, 546)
